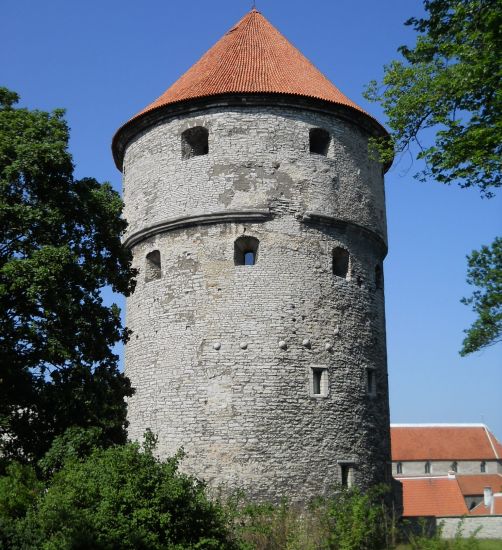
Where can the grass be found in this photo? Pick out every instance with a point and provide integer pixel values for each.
(484, 544)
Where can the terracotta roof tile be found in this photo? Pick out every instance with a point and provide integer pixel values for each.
(432, 497)
(252, 57)
(444, 443)
(482, 510)
(475, 484)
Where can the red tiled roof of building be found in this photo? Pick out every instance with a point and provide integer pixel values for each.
(482, 510)
(432, 496)
(475, 484)
(444, 442)
(252, 57)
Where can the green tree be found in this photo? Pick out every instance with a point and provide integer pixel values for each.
(450, 83)
(485, 272)
(59, 246)
(445, 97)
(121, 497)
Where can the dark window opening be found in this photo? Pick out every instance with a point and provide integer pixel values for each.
(194, 142)
(346, 475)
(319, 141)
(378, 277)
(454, 467)
(153, 266)
(340, 262)
(399, 468)
(482, 467)
(427, 468)
(246, 251)
(316, 381)
(370, 382)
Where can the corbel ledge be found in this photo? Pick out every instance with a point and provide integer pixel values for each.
(227, 216)
(319, 217)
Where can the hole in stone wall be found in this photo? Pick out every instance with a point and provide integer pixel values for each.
(319, 382)
(194, 142)
(378, 277)
(153, 268)
(319, 141)
(370, 382)
(346, 474)
(340, 262)
(246, 251)
(399, 468)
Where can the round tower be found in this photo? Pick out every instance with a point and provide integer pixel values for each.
(257, 221)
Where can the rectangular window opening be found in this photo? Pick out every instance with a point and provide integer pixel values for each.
(370, 382)
(319, 382)
(346, 475)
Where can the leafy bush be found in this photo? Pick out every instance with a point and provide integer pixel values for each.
(121, 497)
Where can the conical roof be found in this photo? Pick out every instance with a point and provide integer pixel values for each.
(252, 57)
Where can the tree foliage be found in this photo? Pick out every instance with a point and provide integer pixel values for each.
(59, 246)
(485, 272)
(120, 497)
(451, 83)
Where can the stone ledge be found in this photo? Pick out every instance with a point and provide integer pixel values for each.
(327, 219)
(226, 216)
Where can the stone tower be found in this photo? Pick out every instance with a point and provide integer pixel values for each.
(257, 221)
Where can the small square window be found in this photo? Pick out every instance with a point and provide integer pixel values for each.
(318, 382)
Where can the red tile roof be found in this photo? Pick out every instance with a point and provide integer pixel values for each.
(482, 510)
(432, 496)
(444, 442)
(475, 484)
(252, 57)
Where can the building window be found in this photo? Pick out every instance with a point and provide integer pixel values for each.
(153, 266)
(454, 466)
(399, 467)
(378, 277)
(340, 262)
(319, 141)
(370, 382)
(427, 468)
(346, 475)
(246, 251)
(482, 467)
(194, 142)
(319, 382)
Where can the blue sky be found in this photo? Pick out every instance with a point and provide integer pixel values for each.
(105, 60)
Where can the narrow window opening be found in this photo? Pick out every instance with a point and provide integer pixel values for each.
(194, 142)
(316, 382)
(378, 277)
(319, 141)
(340, 262)
(399, 468)
(153, 269)
(246, 251)
(346, 475)
(427, 468)
(370, 382)
(319, 382)
(454, 467)
(482, 467)
(249, 258)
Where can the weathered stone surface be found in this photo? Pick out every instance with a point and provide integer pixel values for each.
(243, 410)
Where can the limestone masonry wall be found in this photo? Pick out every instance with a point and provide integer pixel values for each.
(222, 355)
